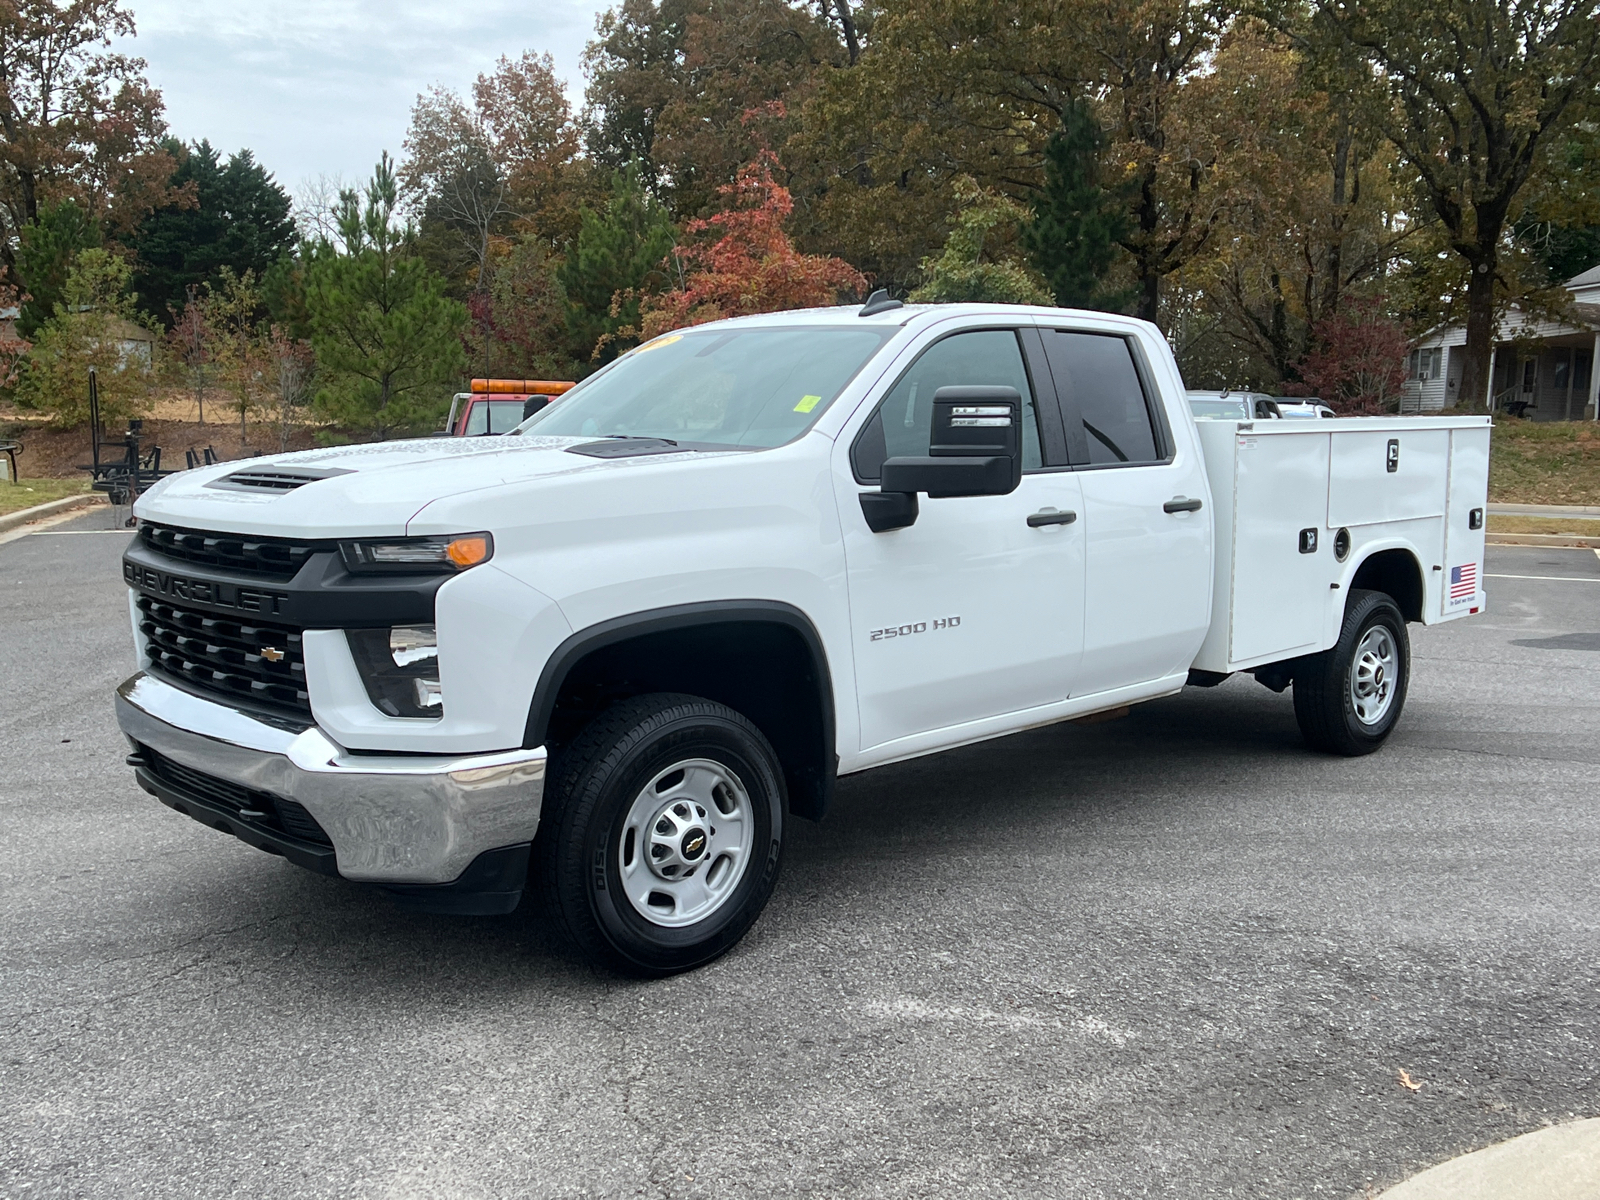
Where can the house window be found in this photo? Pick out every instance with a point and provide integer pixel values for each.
(1424, 364)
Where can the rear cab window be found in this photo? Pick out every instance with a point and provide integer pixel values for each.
(1107, 410)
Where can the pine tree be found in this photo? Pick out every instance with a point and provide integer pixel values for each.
(45, 256)
(1077, 223)
(239, 220)
(617, 258)
(387, 339)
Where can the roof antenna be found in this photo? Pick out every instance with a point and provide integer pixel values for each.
(879, 302)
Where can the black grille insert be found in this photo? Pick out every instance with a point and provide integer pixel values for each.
(276, 558)
(281, 816)
(254, 661)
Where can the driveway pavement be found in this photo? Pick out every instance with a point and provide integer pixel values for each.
(1175, 955)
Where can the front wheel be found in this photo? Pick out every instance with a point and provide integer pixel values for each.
(1348, 698)
(662, 833)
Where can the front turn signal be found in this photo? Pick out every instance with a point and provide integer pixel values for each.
(468, 551)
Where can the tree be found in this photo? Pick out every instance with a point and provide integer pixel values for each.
(1313, 212)
(191, 341)
(618, 257)
(671, 83)
(1479, 89)
(387, 339)
(968, 271)
(635, 71)
(47, 249)
(240, 219)
(1077, 222)
(76, 120)
(291, 365)
(752, 267)
(451, 173)
(1358, 363)
(473, 172)
(89, 330)
(518, 326)
(237, 346)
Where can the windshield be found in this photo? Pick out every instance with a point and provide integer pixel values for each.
(752, 388)
(1228, 410)
(493, 416)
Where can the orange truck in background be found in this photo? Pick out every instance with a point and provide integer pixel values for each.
(500, 405)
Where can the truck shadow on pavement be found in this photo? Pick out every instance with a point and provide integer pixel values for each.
(1055, 785)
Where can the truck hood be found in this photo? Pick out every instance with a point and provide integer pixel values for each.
(374, 488)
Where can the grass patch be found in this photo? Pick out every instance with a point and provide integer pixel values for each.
(25, 493)
(1543, 525)
(1544, 462)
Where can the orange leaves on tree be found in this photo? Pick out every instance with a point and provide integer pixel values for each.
(752, 267)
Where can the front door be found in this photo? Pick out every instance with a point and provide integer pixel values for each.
(972, 612)
(1146, 533)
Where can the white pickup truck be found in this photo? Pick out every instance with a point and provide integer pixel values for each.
(614, 652)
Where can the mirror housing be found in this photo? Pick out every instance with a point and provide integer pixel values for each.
(974, 446)
(975, 449)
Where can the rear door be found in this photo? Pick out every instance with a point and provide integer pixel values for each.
(1147, 534)
(1461, 590)
(970, 613)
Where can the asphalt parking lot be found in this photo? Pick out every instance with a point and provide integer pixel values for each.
(1175, 955)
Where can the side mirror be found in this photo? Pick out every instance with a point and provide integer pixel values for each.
(975, 449)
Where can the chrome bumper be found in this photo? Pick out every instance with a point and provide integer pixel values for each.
(396, 819)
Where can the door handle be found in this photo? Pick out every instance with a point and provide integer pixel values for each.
(1047, 516)
(1181, 504)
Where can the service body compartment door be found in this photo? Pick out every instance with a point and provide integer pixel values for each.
(1386, 475)
(1283, 553)
(1461, 589)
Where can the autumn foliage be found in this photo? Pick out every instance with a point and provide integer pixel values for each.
(752, 266)
(1358, 365)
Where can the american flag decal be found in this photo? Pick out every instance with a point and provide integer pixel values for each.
(1463, 581)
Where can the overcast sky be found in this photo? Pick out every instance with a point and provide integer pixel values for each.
(322, 86)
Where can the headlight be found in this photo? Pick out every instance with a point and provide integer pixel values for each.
(438, 554)
(400, 667)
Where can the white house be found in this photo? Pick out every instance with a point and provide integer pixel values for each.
(1559, 384)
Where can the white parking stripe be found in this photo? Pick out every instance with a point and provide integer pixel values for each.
(1551, 578)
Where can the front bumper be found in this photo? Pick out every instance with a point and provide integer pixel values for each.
(393, 819)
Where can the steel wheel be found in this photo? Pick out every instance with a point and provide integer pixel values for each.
(1373, 674)
(685, 843)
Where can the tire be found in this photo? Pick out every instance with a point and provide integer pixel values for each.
(662, 833)
(1348, 698)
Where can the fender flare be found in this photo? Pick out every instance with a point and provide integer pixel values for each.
(811, 801)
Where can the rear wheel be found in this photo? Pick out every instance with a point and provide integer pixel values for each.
(1348, 698)
(662, 833)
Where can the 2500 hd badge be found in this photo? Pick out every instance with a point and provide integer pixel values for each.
(883, 635)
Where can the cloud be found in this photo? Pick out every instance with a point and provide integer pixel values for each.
(323, 86)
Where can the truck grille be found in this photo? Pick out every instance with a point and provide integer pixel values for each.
(259, 808)
(257, 662)
(274, 558)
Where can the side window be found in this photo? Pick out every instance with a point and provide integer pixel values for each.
(902, 424)
(1100, 391)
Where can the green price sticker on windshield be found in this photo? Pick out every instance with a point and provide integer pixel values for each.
(807, 403)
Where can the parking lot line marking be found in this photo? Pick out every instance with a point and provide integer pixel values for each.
(1551, 578)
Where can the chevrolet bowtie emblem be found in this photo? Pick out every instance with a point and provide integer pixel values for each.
(272, 654)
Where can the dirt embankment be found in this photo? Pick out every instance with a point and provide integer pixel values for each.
(51, 453)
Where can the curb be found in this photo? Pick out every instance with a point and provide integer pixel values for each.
(1559, 1162)
(1572, 512)
(39, 511)
(1571, 540)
